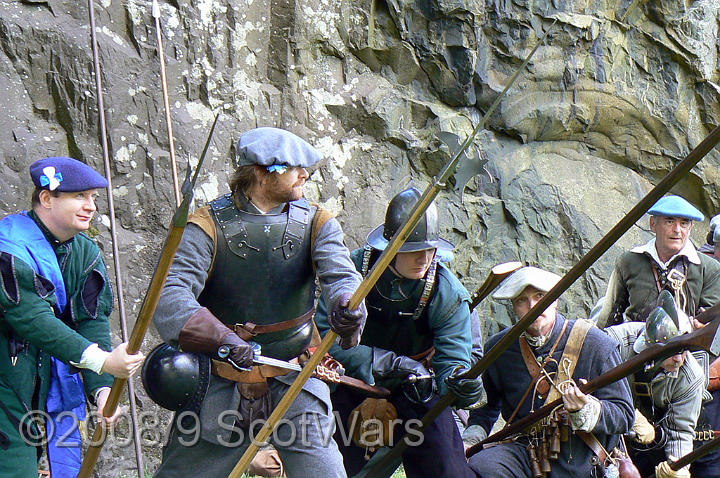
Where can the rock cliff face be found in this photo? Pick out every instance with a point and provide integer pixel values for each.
(618, 94)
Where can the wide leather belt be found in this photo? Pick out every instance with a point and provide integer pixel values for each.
(248, 330)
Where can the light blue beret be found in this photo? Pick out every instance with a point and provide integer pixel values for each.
(65, 175)
(269, 146)
(675, 206)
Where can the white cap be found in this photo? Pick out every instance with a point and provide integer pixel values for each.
(524, 277)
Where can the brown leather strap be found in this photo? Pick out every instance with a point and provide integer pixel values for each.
(592, 442)
(534, 370)
(258, 374)
(570, 355)
(534, 367)
(248, 330)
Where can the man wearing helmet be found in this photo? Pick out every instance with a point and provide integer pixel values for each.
(244, 272)
(416, 342)
(668, 396)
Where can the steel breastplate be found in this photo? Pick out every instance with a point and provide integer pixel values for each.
(390, 324)
(263, 272)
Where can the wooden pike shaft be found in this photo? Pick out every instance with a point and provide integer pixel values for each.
(166, 101)
(113, 231)
(152, 297)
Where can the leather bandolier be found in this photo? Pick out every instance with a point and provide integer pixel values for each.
(262, 284)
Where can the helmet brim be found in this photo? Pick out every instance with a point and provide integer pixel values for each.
(376, 240)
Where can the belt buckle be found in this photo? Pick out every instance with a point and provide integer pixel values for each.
(642, 389)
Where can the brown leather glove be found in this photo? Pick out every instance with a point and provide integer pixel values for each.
(348, 324)
(205, 333)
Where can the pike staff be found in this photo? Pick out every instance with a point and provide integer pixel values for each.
(113, 230)
(179, 221)
(166, 100)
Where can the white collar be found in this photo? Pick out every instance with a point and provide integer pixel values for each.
(688, 251)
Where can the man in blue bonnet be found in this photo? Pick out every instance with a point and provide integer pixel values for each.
(55, 301)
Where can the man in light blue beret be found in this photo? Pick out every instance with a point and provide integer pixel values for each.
(55, 300)
(245, 272)
(669, 262)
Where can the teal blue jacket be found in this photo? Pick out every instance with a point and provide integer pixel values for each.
(448, 318)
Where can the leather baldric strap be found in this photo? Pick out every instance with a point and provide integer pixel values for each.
(534, 369)
(532, 364)
(248, 330)
(569, 359)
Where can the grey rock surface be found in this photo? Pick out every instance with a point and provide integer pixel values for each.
(620, 93)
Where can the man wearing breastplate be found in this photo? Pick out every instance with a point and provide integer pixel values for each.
(244, 275)
(416, 342)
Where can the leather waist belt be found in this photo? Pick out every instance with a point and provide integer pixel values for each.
(258, 374)
(248, 330)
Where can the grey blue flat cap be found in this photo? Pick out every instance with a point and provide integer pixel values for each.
(268, 146)
(675, 206)
(511, 287)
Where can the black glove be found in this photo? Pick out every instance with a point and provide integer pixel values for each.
(466, 390)
(392, 368)
(205, 333)
(348, 324)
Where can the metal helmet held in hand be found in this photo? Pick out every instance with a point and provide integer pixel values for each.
(176, 380)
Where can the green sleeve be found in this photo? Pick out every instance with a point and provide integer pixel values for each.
(26, 300)
(710, 294)
(91, 303)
